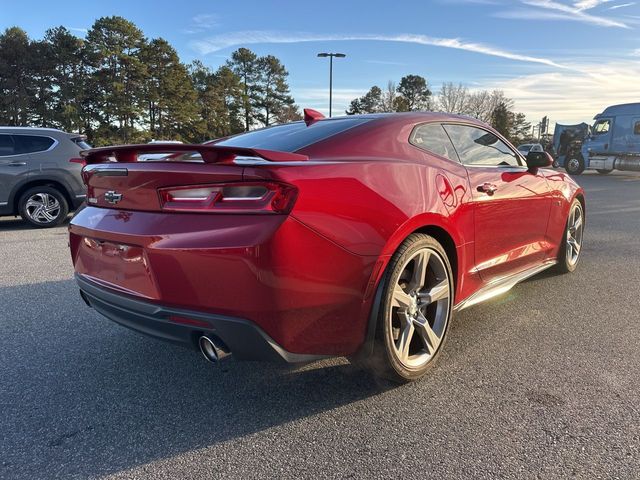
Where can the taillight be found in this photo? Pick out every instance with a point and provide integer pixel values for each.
(230, 198)
(81, 161)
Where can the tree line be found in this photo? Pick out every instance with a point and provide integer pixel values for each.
(117, 86)
(414, 94)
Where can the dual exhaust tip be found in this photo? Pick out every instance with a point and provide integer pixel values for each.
(213, 349)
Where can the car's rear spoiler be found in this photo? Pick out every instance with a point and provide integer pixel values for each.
(209, 153)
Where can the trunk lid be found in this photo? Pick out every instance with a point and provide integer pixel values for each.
(129, 177)
(134, 186)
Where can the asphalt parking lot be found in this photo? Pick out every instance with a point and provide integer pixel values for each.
(542, 382)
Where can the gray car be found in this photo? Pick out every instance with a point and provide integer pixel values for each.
(37, 179)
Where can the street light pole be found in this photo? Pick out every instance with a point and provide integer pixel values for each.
(331, 55)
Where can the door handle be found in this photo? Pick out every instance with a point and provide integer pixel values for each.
(488, 188)
(17, 164)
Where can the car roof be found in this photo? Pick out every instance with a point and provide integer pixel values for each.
(38, 130)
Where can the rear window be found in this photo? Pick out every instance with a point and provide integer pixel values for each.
(81, 142)
(292, 136)
(32, 143)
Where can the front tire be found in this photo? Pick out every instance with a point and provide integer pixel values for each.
(574, 165)
(572, 240)
(43, 207)
(415, 312)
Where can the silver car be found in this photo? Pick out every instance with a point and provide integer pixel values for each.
(40, 174)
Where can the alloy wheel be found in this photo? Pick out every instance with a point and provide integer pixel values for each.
(419, 309)
(42, 208)
(575, 229)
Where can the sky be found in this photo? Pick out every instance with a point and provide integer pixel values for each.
(567, 59)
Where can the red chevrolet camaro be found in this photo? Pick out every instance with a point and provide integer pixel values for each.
(357, 236)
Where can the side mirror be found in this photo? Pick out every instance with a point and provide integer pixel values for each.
(539, 160)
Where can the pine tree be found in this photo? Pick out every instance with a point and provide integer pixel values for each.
(168, 93)
(415, 92)
(371, 102)
(244, 63)
(70, 74)
(272, 89)
(114, 45)
(16, 85)
(501, 120)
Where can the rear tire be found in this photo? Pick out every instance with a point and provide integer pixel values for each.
(572, 240)
(43, 207)
(604, 171)
(415, 311)
(574, 165)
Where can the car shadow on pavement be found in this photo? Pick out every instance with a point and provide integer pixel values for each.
(74, 383)
(17, 224)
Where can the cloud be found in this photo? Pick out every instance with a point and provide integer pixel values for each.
(589, 4)
(234, 39)
(202, 22)
(78, 29)
(623, 5)
(577, 12)
(573, 96)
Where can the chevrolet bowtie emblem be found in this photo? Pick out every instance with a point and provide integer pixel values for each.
(112, 197)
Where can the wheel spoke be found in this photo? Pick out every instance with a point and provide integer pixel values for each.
(47, 216)
(400, 298)
(574, 244)
(440, 291)
(429, 338)
(577, 224)
(405, 340)
(33, 203)
(420, 264)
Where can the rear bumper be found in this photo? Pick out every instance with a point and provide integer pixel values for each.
(245, 340)
(299, 288)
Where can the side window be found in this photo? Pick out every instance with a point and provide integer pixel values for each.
(432, 138)
(32, 143)
(636, 128)
(6, 145)
(601, 127)
(479, 147)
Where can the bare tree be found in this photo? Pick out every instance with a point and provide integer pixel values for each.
(390, 98)
(479, 105)
(453, 98)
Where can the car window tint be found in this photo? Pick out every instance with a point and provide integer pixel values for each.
(6, 145)
(432, 138)
(32, 143)
(292, 136)
(480, 147)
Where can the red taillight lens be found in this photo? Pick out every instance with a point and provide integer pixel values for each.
(230, 198)
(81, 161)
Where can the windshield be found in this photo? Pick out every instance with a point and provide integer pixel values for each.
(601, 127)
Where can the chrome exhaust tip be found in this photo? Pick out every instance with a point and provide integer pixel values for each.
(213, 349)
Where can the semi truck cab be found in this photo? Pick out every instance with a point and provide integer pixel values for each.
(614, 143)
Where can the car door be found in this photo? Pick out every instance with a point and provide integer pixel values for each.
(13, 167)
(600, 139)
(511, 203)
